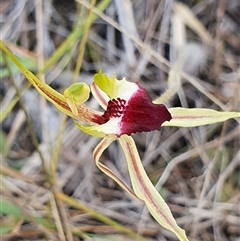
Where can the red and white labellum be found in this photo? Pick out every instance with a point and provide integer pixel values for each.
(137, 114)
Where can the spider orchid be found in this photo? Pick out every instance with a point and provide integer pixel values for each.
(127, 109)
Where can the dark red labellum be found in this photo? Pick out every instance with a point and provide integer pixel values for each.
(139, 114)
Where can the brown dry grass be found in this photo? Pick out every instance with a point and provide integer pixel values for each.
(195, 169)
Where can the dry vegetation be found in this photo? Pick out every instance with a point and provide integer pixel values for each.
(196, 169)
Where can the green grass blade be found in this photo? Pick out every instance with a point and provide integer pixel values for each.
(72, 38)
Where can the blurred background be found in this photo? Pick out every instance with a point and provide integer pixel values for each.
(196, 170)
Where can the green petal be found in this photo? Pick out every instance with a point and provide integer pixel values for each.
(77, 92)
(183, 117)
(91, 130)
(115, 88)
(109, 128)
(145, 190)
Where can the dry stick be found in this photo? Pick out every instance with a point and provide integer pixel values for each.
(40, 22)
(28, 120)
(96, 215)
(118, 27)
(216, 227)
(40, 58)
(163, 32)
(33, 135)
(224, 175)
(59, 203)
(16, 125)
(57, 146)
(27, 214)
(56, 217)
(225, 171)
(178, 42)
(17, 226)
(156, 55)
(190, 20)
(191, 153)
(64, 216)
(207, 183)
(126, 19)
(5, 170)
(219, 43)
(83, 43)
(56, 204)
(75, 76)
(144, 58)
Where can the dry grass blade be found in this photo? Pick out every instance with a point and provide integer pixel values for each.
(190, 20)
(126, 20)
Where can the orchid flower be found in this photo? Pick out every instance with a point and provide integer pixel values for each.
(127, 109)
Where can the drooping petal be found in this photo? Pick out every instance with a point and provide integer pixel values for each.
(145, 190)
(183, 117)
(83, 112)
(97, 154)
(130, 109)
